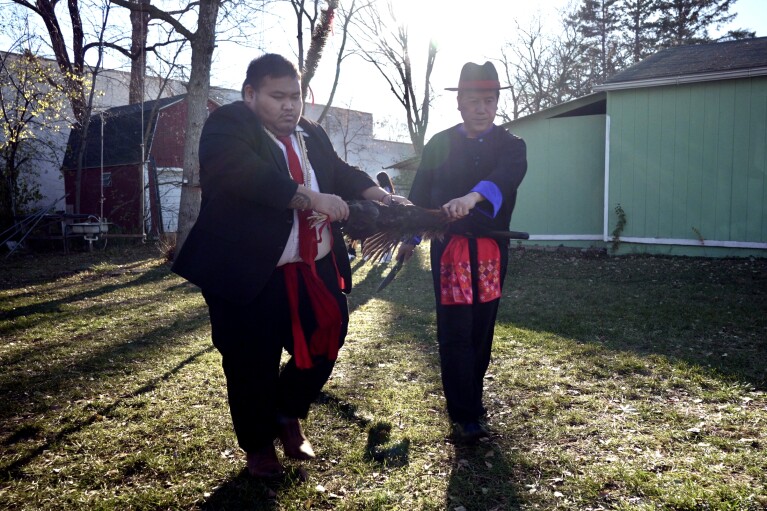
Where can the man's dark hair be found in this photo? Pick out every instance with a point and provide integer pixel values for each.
(269, 64)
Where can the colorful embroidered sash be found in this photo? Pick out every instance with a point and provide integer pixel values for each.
(455, 272)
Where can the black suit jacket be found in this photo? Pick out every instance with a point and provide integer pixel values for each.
(244, 221)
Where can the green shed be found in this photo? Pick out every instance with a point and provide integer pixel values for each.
(675, 145)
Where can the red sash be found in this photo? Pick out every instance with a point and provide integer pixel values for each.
(326, 311)
(307, 236)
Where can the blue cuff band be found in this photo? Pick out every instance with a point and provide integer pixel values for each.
(491, 193)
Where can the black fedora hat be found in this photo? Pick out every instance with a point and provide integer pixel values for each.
(476, 77)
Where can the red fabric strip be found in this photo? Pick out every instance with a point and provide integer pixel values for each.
(325, 338)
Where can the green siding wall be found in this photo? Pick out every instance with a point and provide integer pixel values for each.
(690, 160)
(563, 191)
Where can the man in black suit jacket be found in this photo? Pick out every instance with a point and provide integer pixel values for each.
(271, 276)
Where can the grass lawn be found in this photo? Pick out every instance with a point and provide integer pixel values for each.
(630, 383)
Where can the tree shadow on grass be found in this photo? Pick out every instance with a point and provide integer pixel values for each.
(703, 312)
(102, 360)
(54, 306)
(10, 470)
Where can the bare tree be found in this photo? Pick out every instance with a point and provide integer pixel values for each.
(348, 15)
(349, 124)
(139, 20)
(77, 78)
(385, 43)
(202, 42)
(526, 64)
(32, 110)
(320, 23)
(542, 70)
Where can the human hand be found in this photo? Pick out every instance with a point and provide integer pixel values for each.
(331, 205)
(460, 207)
(399, 199)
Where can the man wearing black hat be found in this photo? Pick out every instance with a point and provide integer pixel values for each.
(471, 171)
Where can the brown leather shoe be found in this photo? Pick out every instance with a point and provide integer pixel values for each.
(263, 463)
(294, 442)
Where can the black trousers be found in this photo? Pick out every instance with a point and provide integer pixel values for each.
(465, 338)
(251, 338)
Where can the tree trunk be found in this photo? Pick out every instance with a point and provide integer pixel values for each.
(197, 112)
(139, 22)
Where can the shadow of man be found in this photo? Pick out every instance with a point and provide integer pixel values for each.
(481, 478)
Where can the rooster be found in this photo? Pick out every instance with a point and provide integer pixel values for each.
(381, 228)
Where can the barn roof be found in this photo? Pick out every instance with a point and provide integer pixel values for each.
(695, 63)
(122, 134)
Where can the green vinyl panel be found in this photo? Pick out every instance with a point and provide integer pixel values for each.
(679, 168)
(654, 170)
(667, 126)
(688, 161)
(695, 149)
(725, 134)
(640, 175)
(563, 190)
(756, 227)
(623, 133)
(740, 143)
(710, 151)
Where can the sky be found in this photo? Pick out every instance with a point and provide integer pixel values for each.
(463, 34)
(465, 31)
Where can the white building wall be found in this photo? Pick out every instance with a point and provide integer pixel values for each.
(111, 91)
(350, 131)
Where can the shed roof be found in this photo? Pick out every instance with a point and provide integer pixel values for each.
(694, 63)
(122, 134)
(411, 163)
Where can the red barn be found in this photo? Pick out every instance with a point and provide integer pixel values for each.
(131, 170)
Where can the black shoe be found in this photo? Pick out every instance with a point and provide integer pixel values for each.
(470, 432)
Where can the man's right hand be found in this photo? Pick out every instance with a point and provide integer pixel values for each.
(333, 206)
